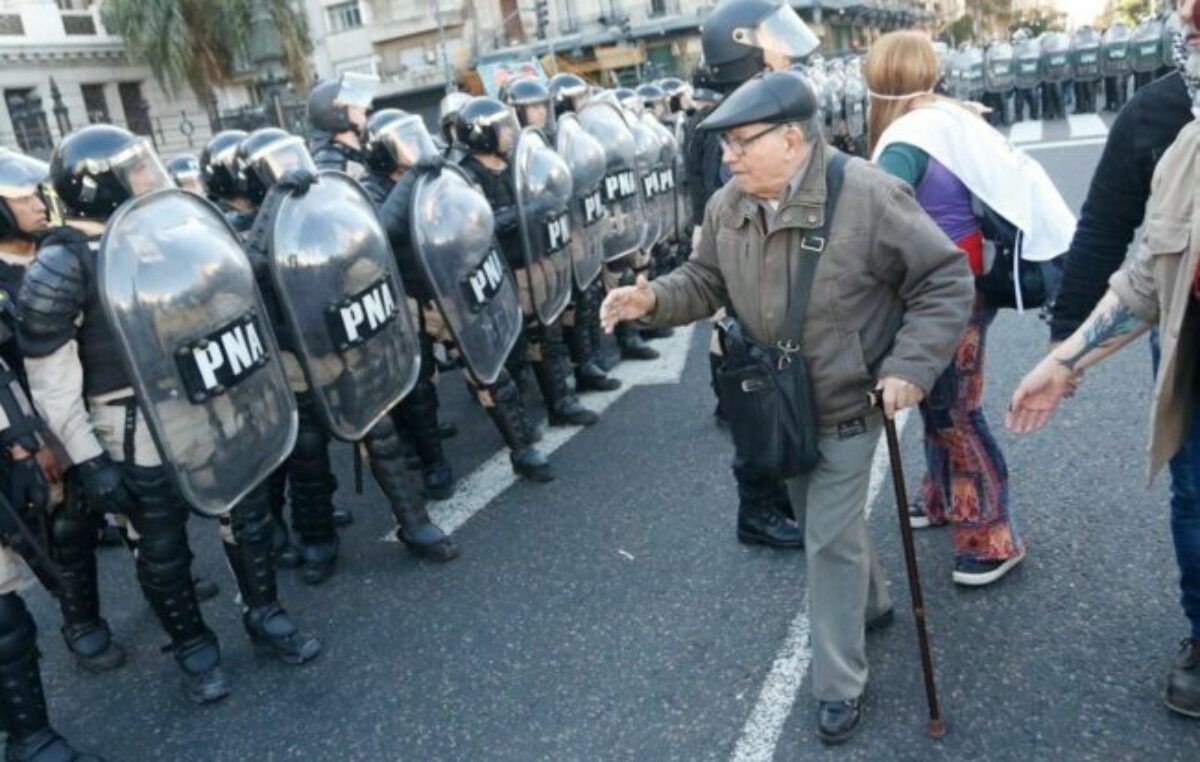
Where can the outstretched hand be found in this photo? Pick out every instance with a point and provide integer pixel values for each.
(627, 303)
(1038, 395)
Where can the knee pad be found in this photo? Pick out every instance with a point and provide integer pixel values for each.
(382, 441)
(72, 534)
(250, 521)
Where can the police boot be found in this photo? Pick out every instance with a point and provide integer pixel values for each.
(22, 702)
(419, 414)
(310, 482)
(589, 377)
(416, 530)
(631, 344)
(761, 518)
(512, 421)
(283, 552)
(73, 548)
(562, 407)
(200, 661)
(247, 543)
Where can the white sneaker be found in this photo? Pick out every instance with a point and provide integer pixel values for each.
(981, 573)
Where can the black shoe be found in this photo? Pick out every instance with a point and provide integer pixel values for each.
(342, 517)
(531, 464)
(92, 646)
(319, 561)
(275, 634)
(837, 720)
(569, 412)
(200, 661)
(1183, 684)
(657, 333)
(881, 621)
(631, 344)
(205, 589)
(589, 377)
(438, 481)
(764, 525)
(429, 541)
(44, 746)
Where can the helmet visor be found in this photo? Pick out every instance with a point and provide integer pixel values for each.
(20, 175)
(139, 169)
(275, 159)
(408, 141)
(782, 31)
(356, 90)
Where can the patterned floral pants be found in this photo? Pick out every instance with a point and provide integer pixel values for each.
(966, 482)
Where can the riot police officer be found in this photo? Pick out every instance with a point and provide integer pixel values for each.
(447, 114)
(337, 112)
(277, 167)
(489, 130)
(185, 171)
(68, 347)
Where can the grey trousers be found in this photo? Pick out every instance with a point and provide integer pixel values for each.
(846, 585)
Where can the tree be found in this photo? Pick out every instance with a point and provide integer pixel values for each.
(198, 43)
(1041, 20)
(1132, 11)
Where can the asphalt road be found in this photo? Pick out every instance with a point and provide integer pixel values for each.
(612, 616)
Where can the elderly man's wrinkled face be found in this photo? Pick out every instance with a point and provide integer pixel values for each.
(763, 157)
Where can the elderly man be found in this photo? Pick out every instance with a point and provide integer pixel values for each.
(876, 297)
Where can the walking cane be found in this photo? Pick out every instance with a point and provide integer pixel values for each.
(937, 726)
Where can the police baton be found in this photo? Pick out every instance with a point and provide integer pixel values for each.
(937, 726)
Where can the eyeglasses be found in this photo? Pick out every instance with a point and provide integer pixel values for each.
(739, 146)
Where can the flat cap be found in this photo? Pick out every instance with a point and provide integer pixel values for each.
(774, 98)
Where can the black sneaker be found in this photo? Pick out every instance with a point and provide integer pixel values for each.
(971, 573)
(1183, 684)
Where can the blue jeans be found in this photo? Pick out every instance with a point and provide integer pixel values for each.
(1185, 513)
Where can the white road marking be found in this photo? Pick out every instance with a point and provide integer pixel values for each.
(495, 475)
(1086, 126)
(760, 734)
(1065, 144)
(1025, 132)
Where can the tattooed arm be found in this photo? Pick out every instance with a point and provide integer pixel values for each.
(1111, 326)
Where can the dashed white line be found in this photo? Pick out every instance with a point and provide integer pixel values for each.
(760, 734)
(1025, 132)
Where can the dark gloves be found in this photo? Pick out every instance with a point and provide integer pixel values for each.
(506, 219)
(103, 486)
(297, 181)
(27, 488)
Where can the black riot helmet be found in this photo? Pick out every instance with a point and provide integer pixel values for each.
(676, 91)
(739, 33)
(184, 169)
(570, 92)
(397, 141)
(21, 177)
(628, 99)
(222, 176)
(332, 105)
(99, 167)
(265, 155)
(530, 99)
(654, 100)
(448, 110)
(486, 125)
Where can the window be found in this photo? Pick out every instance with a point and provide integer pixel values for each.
(137, 110)
(343, 16)
(95, 104)
(10, 24)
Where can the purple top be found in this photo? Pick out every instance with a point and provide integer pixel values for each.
(945, 199)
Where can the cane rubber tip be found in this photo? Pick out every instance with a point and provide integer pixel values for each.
(937, 729)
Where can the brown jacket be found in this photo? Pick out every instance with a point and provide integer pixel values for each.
(1156, 284)
(892, 293)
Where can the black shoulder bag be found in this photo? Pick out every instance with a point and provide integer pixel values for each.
(765, 389)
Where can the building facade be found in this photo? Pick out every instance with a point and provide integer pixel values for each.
(60, 69)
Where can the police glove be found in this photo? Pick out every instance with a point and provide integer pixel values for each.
(27, 487)
(297, 181)
(506, 218)
(103, 486)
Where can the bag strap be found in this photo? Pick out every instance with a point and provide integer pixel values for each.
(814, 240)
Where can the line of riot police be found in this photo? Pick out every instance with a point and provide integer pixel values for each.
(190, 338)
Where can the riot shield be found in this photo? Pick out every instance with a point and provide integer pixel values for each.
(1056, 57)
(344, 302)
(999, 74)
(1085, 54)
(585, 158)
(543, 186)
(1145, 49)
(972, 68)
(1029, 64)
(1115, 58)
(854, 104)
(626, 225)
(683, 194)
(663, 200)
(453, 239)
(195, 338)
(649, 150)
